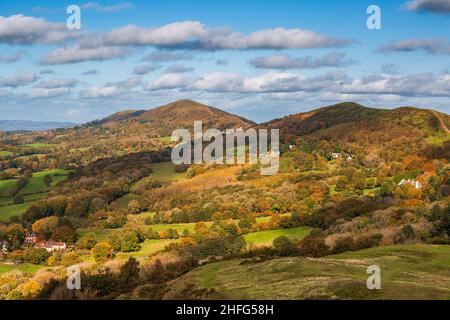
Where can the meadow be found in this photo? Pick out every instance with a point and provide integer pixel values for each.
(407, 271)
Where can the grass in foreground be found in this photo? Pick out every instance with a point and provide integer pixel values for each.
(407, 271)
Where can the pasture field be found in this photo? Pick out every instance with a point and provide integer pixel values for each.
(25, 267)
(408, 272)
(266, 237)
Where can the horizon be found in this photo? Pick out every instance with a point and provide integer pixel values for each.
(244, 60)
(218, 107)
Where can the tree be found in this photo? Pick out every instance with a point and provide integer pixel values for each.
(48, 180)
(129, 272)
(134, 207)
(35, 255)
(102, 251)
(18, 199)
(284, 246)
(88, 241)
(65, 234)
(70, 258)
(313, 247)
(45, 225)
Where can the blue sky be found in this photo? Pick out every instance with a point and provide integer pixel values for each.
(259, 59)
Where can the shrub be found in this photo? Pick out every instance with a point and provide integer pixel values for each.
(344, 244)
(284, 246)
(313, 247)
(102, 251)
(18, 199)
(35, 255)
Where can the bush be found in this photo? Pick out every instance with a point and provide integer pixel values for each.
(368, 241)
(102, 251)
(344, 244)
(87, 242)
(18, 199)
(313, 247)
(284, 246)
(406, 234)
(36, 255)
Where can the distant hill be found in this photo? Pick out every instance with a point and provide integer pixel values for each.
(25, 125)
(397, 132)
(180, 114)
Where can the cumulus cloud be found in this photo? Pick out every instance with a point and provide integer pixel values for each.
(107, 8)
(178, 68)
(434, 6)
(168, 81)
(144, 69)
(47, 71)
(111, 89)
(431, 46)
(288, 62)
(18, 80)
(56, 83)
(48, 92)
(165, 56)
(11, 58)
(77, 54)
(419, 85)
(195, 35)
(23, 30)
(90, 72)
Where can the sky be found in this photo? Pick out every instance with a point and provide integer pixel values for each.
(259, 59)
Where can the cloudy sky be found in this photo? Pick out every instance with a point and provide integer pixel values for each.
(259, 59)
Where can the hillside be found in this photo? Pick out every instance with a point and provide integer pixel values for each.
(408, 272)
(179, 114)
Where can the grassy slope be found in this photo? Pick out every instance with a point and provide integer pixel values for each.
(408, 272)
(266, 237)
(26, 267)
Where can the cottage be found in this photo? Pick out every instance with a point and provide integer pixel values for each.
(30, 238)
(5, 247)
(416, 184)
(51, 246)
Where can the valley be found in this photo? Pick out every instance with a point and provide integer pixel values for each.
(356, 186)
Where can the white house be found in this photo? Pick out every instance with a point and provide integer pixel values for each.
(416, 184)
(51, 246)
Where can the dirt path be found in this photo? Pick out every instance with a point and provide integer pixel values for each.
(441, 121)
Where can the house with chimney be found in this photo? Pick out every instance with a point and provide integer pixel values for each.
(51, 246)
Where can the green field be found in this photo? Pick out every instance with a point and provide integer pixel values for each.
(38, 145)
(6, 186)
(5, 154)
(407, 272)
(33, 191)
(26, 267)
(266, 237)
(37, 185)
(9, 211)
(148, 247)
(165, 172)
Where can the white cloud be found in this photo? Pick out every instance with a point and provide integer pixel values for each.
(11, 58)
(168, 81)
(288, 62)
(48, 92)
(56, 83)
(18, 80)
(23, 30)
(431, 46)
(144, 69)
(77, 54)
(435, 6)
